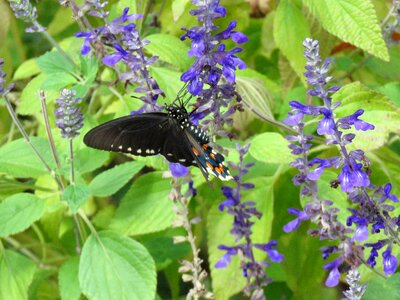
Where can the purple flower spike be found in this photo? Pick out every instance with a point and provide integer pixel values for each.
(390, 262)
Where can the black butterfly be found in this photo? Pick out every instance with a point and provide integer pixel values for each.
(170, 134)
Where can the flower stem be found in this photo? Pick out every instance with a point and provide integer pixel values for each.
(27, 138)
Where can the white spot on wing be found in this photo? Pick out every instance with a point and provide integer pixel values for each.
(182, 160)
(170, 154)
(152, 151)
(129, 149)
(120, 147)
(139, 150)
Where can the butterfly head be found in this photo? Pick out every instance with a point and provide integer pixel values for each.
(179, 114)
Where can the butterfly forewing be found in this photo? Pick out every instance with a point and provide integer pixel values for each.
(142, 134)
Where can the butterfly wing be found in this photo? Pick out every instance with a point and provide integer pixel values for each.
(142, 134)
(208, 160)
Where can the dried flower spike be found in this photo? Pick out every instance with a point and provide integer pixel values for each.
(69, 117)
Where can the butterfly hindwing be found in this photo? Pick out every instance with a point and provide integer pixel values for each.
(142, 134)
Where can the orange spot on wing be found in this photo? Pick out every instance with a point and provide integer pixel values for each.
(209, 165)
(205, 147)
(212, 156)
(195, 151)
(219, 170)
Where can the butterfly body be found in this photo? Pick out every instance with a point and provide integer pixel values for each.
(170, 134)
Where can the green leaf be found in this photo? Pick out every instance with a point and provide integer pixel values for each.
(75, 195)
(290, 29)
(68, 279)
(169, 82)
(5, 18)
(27, 69)
(53, 62)
(18, 212)
(383, 288)
(169, 49)
(110, 181)
(379, 111)
(18, 159)
(57, 81)
(164, 251)
(146, 207)
(256, 96)
(89, 159)
(30, 103)
(271, 147)
(116, 267)
(229, 281)
(353, 21)
(178, 8)
(16, 274)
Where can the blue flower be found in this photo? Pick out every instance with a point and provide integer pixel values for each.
(334, 274)
(177, 170)
(272, 253)
(347, 122)
(226, 258)
(350, 178)
(390, 262)
(293, 225)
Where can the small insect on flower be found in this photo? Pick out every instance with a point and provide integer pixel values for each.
(170, 134)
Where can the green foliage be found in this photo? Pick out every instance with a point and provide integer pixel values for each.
(145, 208)
(354, 21)
(71, 241)
(18, 212)
(112, 264)
(16, 274)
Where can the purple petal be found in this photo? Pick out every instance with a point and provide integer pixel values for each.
(178, 170)
(333, 278)
(112, 59)
(361, 233)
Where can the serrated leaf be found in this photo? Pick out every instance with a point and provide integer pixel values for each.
(58, 81)
(30, 103)
(116, 267)
(27, 69)
(53, 62)
(271, 147)
(290, 29)
(18, 212)
(146, 207)
(16, 274)
(68, 279)
(378, 110)
(110, 181)
(169, 49)
(18, 159)
(354, 21)
(75, 195)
